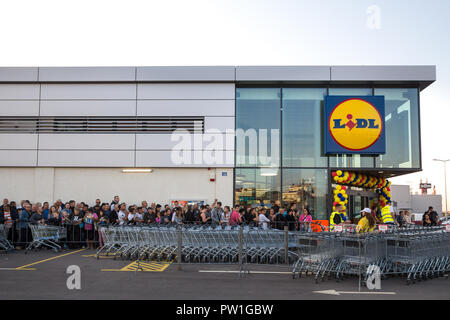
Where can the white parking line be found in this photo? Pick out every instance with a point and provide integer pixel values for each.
(338, 293)
(237, 271)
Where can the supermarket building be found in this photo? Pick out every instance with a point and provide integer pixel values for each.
(78, 132)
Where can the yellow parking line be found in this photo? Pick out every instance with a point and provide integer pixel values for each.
(144, 266)
(15, 269)
(45, 260)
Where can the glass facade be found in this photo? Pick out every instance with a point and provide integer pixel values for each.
(257, 186)
(301, 136)
(279, 144)
(258, 127)
(402, 129)
(308, 188)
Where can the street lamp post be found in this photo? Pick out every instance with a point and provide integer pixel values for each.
(445, 181)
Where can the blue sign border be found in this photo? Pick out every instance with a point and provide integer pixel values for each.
(331, 147)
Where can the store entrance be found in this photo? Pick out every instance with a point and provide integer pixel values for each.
(358, 200)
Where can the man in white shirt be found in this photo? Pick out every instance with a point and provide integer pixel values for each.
(122, 217)
(131, 215)
(263, 220)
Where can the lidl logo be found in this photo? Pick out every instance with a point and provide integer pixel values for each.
(354, 125)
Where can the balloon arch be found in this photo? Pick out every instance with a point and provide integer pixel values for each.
(345, 179)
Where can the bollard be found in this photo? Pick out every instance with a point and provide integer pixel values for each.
(286, 235)
(179, 248)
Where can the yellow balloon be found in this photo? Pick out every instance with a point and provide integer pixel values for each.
(339, 172)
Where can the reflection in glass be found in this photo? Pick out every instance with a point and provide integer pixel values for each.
(355, 160)
(257, 186)
(302, 134)
(258, 127)
(402, 129)
(307, 188)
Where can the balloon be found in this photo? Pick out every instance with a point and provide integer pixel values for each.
(336, 178)
(344, 188)
(339, 172)
(338, 187)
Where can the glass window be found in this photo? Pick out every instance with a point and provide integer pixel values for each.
(355, 160)
(402, 129)
(258, 127)
(301, 131)
(257, 186)
(308, 188)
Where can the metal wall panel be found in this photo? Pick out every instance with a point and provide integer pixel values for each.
(78, 158)
(19, 108)
(18, 158)
(86, 141)
(168, 91)
(194, 73)
(62, 74)
(18, 74)
(164, 159)
(99, 91)
(164, 142)
(18, 141)
(282, 73)
(383, 73)
(219, 123)
(19, 91)
(185, 107)
(88, 108)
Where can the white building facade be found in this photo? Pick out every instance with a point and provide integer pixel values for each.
(70, 132)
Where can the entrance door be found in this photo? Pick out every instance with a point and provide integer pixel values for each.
(359, 199)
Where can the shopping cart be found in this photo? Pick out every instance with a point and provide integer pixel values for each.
(360, 253)
(318, 254)
(46, 236)
(419, 253)
(199, 244)
(4, 242)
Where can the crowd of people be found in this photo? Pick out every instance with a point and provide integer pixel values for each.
(83, 220)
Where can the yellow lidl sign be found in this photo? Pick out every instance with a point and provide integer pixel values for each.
(354, 125)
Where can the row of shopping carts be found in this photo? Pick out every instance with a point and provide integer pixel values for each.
(197, 244)
(45, 236)
(5, 244)
(414, 253)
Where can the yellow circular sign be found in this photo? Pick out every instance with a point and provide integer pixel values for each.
(355, 124)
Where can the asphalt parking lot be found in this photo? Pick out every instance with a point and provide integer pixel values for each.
(42, 275)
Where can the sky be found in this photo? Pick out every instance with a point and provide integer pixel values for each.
(244, 32)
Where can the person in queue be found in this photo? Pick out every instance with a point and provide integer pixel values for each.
(386, 215)
(367, 222)
(338, 216)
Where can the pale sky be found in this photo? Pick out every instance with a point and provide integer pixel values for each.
(242, 32)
